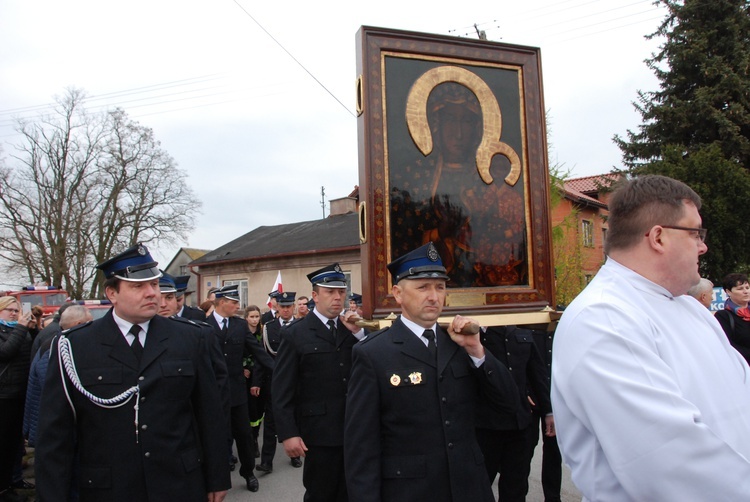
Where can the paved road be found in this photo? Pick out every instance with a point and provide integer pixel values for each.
(284, 484)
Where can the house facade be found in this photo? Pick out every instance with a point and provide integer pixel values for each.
(579, 223)
(180, 265)
(254, 260)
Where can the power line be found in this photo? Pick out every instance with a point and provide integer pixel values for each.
(294, 58)
(200, 88)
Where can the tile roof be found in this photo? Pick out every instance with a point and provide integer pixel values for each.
(334, 232)
(586, 190)
(591, 184)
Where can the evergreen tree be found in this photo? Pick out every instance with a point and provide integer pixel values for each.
(696, 127)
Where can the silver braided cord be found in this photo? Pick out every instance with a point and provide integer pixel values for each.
(267, 343)
(66, 361)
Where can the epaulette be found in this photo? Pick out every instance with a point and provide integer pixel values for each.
(75, 328)
(183, 320)
(294, 321)
(370, 336)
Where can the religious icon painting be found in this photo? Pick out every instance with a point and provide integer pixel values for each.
(452, 151)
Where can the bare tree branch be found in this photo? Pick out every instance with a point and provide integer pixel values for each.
(81, 187)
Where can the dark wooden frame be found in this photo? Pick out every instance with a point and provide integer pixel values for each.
(377, 48)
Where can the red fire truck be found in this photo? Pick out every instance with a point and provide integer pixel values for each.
(50, 298)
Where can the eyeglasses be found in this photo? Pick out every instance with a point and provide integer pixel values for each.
(701, 231)
(13, 311)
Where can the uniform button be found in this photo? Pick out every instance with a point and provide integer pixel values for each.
(510, 368)
(341, 364)
(345, 379)
(489, 372)
(143, 398)
(179, 370)
(144, 427)
(90, 482)
(447, 423)
(450, 446)
(444, 400)
(99, 377)
(398, 473)
(141, 378)
(147, 454)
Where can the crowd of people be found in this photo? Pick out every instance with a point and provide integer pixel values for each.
(125, 407)
(151, 402)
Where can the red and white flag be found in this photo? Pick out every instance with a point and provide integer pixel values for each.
(276, 287)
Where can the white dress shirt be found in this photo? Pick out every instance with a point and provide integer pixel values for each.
(650, 400)
(125, 329)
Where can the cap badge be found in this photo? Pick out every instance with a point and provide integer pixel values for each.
(142, 251)
(337, 268)
(432, 253)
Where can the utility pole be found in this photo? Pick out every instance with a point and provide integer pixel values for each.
(323, 200)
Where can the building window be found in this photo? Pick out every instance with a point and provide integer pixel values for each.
(588, 233)
(242, 288)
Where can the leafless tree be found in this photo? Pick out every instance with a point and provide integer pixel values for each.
(82, 187)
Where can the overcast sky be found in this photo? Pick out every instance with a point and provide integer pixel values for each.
(255, 100)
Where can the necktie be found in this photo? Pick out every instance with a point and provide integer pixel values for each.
(136, 345)
(430, 336)
(332, 326)
(224, 323)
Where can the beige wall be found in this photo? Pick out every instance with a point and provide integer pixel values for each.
(261, 275)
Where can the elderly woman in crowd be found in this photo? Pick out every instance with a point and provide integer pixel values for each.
(735, 318)
(15, 345)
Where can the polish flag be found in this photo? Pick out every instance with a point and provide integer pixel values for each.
(276, 287)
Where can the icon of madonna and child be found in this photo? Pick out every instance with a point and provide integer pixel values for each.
(461, 191)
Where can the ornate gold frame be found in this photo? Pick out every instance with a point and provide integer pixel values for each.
(450, 59)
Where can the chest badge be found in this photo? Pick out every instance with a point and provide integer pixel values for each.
(415, 378)
(395, 380)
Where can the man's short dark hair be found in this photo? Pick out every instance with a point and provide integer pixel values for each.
(732, 280)
(640, 203)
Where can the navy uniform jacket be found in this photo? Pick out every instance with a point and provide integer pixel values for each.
(236, 344)
(178, 406)
(515, 348)
(218, 363)
(410, 423)
(267, 317)
(193, 313)
(543, 342)
(273, 331)
(310, 381)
